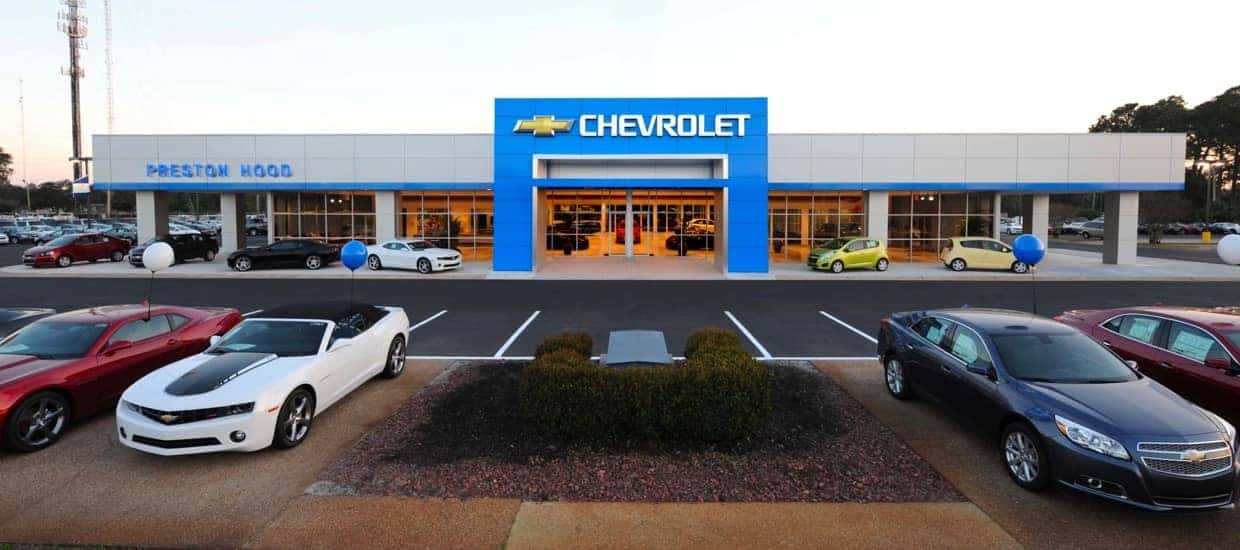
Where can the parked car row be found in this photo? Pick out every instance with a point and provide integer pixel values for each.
(192, 380)
(1135, 405)
(1089, 229)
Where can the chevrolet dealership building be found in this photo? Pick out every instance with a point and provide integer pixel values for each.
(685, 179)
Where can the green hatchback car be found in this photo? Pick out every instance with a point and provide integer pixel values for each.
(837, 255)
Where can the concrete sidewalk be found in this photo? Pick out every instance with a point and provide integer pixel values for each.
(388, 522)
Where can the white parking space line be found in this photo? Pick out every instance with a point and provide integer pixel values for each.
(757, 345)
(849, 327)
(251, 313)
(466, 358)
(427, 320)
(515, 335)
(820, 358)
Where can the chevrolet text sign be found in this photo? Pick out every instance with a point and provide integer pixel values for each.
(633, 125)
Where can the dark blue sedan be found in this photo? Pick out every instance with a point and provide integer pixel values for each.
(1062, 407)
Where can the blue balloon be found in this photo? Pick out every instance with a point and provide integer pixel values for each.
(353, 255)
(1028, 248)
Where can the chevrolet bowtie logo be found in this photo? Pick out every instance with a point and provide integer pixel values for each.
(167, 418)
(542, 126)
(1194, 456)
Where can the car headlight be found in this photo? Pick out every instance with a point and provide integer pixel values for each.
(1090, 439)
(1227, 427)
(131, 406)
(45, 254)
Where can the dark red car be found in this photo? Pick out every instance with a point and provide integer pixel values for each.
(1193, 351)
(74, 364)
(66, 249)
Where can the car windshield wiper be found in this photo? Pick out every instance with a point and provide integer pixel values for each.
(1046, 380)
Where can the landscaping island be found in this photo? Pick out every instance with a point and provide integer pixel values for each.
(466, 434)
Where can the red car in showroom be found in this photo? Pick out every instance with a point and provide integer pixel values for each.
(71, 365)
(63, 251)
(1192, 351)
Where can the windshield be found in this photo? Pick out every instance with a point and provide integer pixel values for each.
(63, 240)
(835, 243)
(1233, 336)
(53, 340)
(283, 338)
(1068, 358)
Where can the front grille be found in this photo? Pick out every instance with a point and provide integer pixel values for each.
(1181, 447)
(1195, 502)
(176, 443)
(1186, 468)
(172, 418)
(813, 259)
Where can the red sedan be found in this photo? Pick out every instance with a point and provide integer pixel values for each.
(1193, 351)
(66, 249)
(72, 365)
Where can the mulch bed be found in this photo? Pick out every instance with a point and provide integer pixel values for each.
(462, 436)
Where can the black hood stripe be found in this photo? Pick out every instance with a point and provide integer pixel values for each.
(216, 372)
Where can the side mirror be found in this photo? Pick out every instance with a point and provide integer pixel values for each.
(981, 368)
(1133, 364)
(1220, 363)
(116, 346)
(215, 340)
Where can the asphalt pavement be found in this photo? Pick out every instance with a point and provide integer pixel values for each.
(508, 318)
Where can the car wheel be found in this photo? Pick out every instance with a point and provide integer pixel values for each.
(64, 260)
(1085, 235)
(37, 422)
(897, 384)
(882, 264)
(837, 266)
(1020, 267)
(293, 422)
(374, 263)
(314, 262)
(1025, 457)
(117, 255)
(243, 263)
(209, 256)
(424, 266)
(395, 358)
(957, 265)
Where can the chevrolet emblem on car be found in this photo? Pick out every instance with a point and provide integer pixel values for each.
(167, 418)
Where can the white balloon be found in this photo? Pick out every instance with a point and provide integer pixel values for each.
(1229, 249)
(158, 256)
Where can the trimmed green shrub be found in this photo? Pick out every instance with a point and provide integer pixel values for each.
(718, 395)
(578, 342)
(713, 338)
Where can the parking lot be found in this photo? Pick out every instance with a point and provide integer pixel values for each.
(496, 318)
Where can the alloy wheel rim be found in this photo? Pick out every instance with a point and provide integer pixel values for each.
(298, 422)
(1021, 267)
(40, 422)
(64, 260)
(958, 265)
(373, 262)
(424, 266)
(243, 264)
(895, 376)
(313, 262)
(882, 265)
(397, 358)
(1022, 456)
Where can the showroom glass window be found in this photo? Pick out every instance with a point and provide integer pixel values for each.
(335, 217)
(461, 220)
(800, 220)
(919, 223)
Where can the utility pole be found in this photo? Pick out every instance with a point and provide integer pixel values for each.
(107, 63)
(73, 24)
(21, 104)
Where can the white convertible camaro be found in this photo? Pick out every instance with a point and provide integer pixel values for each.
(416, 254)
(262, 383)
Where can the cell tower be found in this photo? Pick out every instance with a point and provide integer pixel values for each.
(73, 23)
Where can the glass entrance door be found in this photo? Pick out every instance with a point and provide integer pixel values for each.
(666, 222)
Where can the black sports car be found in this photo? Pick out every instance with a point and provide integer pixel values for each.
(14, 318)
(692, 239)
(305, 253)
(184, 247)
(558, 240)
(1062, 408)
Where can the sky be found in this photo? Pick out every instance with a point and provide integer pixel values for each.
(393, 66)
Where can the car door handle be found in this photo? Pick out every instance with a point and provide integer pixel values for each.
(909, 347)
(1107, 344)
(173, 342)
(1165, 365)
